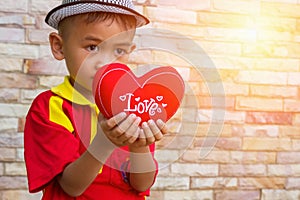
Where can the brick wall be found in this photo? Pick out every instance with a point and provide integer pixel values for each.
(250, 152)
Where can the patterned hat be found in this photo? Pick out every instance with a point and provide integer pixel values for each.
(74, 7)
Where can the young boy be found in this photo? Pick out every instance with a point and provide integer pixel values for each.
(71, 151)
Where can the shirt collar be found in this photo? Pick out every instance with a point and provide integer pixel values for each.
(68, 92)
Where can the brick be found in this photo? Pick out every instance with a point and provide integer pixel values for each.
(238, 6)
(9, 95)
(284, 170)
(205, 102)
(236, 89)
(194, 156)
(220, 116)
(145, 2)
(15, 169)
(262, 182)
(19, 194)
(176, 142)
(282, 1)
(50, 81)
(182, 29)
(171, 15)
(293, 183)
(11, 6)
(28, 95)
(195, 169)
(223, 20)
(43, 6)
(141, 57)
(7, 154)
(240, 157)
(236, 170)
(11, 140)
(189, 195)
(296, 145)
(1, 172)
(17, 80)
(291, 105)
(20, 20)
(267, 144)
(213, 183)
(276, 23)
(229, 143)
(166, 58)
(280, 9)
(13, 110)
(270, 35)
(220, 48)
(279, 194)
(289, 50)
(11, 64)
(241, 194)
(20, 155)
(291, 132)
(45, 66)
(293, 78)
(259, 104)
(269, 118)
(45, 51)
(273, 91)
(8, 124)
(13, 182)
(19, 50)
(193, 5)
(262, 77)
(156, 195)
(21, 124)
(172, 183)
(276, 64)
(166, 155)
(38, 36)
(288, 157)
(261, 131)
(263, 49)
(13, 35)
(230, 34)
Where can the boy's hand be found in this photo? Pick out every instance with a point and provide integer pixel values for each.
(121, 129)
(151, 132)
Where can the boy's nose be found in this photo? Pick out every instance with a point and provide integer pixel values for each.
(105, 59)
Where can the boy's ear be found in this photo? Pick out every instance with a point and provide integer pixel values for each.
(56, 44)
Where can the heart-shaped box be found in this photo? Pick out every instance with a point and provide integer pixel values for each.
(155, 95)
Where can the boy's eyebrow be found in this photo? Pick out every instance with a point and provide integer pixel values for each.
(123, 44)
(93, 38)
(96, 39)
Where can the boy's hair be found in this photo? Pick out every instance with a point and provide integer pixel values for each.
(127, 22)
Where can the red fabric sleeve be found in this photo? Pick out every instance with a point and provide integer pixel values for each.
(49, 147)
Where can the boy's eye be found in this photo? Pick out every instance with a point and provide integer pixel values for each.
(119, 52)
(93, 48)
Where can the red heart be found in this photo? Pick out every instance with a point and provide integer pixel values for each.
(155, 95)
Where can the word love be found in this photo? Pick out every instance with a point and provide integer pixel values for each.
(155, 95)
(146, 106)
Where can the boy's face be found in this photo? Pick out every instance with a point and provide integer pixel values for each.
(87, 47)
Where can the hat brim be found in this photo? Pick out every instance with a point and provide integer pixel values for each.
(66, 10)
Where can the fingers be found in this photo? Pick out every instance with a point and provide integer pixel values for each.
(114, 121)
(162, 126)
(148, 133)
(155, 130)
(132, 130)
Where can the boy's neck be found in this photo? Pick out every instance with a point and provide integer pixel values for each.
(82, 90)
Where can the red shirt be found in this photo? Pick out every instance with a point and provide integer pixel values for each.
(60, 125)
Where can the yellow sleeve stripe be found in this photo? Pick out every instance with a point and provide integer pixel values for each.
(57, 115)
